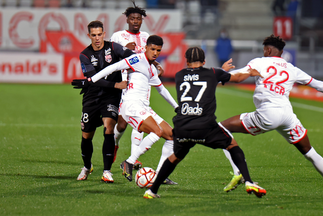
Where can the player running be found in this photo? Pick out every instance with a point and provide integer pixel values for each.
(273, 108)
(195, 121)
(134, 108)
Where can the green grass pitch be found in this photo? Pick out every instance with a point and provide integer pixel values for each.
(40, 160)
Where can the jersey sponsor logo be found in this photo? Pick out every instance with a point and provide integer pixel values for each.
(134, 60)
(107, 52)
(183, 140)
(83, 68)
(190, 77)
(94, 60)
(187, 110)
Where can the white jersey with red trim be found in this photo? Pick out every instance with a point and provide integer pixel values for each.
(141, 76)
(124, 37)
(278, 79)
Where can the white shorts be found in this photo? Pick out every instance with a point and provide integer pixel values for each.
(283, 120)
(135, 112)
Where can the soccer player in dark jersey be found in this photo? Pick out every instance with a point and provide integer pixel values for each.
(101, 100)
(195, 121)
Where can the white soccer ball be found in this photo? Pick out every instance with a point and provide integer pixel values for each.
(145, 177)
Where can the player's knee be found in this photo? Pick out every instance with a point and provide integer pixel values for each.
(108, 130)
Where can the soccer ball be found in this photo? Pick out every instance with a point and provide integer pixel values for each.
(145, 177)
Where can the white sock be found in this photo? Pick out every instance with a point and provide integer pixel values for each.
(236, 170)
(167, 151)
(136, 138)
(117, 135)
(316, 160)
(144, 146)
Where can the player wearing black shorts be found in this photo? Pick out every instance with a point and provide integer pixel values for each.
(195, 121)
(101, 100)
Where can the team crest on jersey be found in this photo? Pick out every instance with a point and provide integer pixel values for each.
(108, 58)
(133, 60)
(94, 60)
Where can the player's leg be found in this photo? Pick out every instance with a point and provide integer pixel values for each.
(118, 130)
(234, 124)
(168, 148)
(310, 154)
(136, 138)
(154, 131)
(87, 151)
(108, 148)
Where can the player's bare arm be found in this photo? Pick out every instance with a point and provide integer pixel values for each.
(242, 74)
(131, 46)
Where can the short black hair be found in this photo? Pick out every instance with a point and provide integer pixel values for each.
(135, 9)
(155, 39)
(94, 24)
(195, 54)
(274, 41)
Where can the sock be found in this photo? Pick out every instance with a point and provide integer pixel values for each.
(316, 160)
(136, 138)
(240, 161)
(87, 151)
(163, 173)
(117, 135)
(108, 151)
(236, 170)
(145, 145)
(167, 151)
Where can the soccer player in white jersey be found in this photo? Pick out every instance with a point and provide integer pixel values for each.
(273, 108)
(135, 40)
(135, 108)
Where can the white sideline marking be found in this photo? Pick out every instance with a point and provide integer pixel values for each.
(249, 95)
(37, 125)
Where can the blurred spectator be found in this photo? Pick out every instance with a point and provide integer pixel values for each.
(223, 47)
(152, 3)
(69, 4)
(208, 5)
(292, 8)
(278, 7)
(169, 4)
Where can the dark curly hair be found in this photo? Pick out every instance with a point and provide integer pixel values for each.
(274, 41)
(155, 40)
(135, 9)
(195, 54)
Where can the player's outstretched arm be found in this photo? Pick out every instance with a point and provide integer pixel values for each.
(166, 95)
(317, 84)
(242, 74)
(120, 65)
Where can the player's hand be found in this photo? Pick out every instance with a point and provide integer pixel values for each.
(121, 85)
(254, 72)
(80, 83)
(131, 45)
(228, 65)
(160, 70)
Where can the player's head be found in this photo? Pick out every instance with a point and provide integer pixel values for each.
(96, 34)
(195, 54)
(134, 17)
(154, 46)
(273, 46)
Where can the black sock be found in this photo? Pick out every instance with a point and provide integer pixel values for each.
(87, 150)
(238, 158)
(163, 173)
(108, 151)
